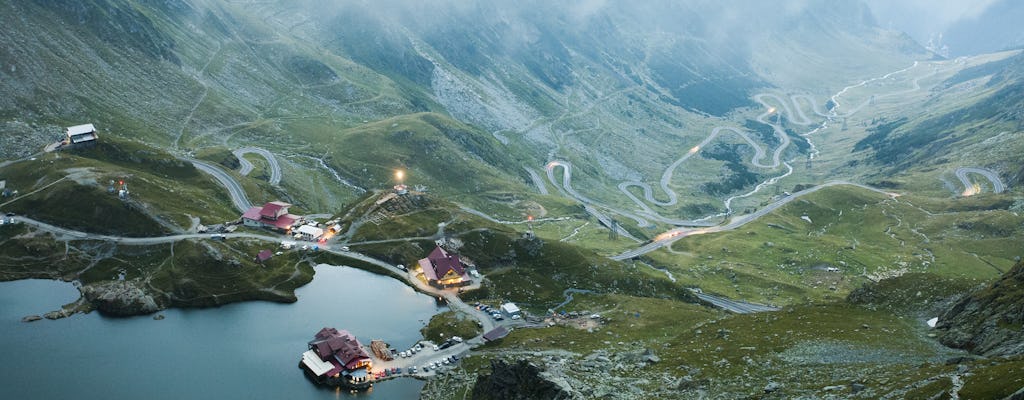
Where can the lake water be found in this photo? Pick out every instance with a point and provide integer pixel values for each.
(241, 351)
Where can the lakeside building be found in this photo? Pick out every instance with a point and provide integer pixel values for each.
(272, 215)
(336, 358)
(443, 270)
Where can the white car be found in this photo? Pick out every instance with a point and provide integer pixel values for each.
(435, 347)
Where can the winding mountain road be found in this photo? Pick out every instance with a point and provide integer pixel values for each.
(673, 235)
(235, 190)
(246, 167)
(757, 160)
(972, 189)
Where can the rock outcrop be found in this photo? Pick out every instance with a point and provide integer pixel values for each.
(520, 381)
(988, 322)
(120, 298)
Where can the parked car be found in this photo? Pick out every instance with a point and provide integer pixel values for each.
(435, 347)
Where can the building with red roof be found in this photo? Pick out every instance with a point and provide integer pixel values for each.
(341, 349)
(264, 255)
(443, 270)
(273, 215)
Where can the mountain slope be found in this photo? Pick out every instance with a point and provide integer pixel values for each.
(546, 80)
(988, 322)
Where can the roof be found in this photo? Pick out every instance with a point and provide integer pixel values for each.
(315, 364)
(428, 270)
(496, 333)
(264, 255)
(310, 230)
(274, 209)
(341, 346)
(282, 222)
(510, 308)
(80, 129)
(252, 213)
(440, 263)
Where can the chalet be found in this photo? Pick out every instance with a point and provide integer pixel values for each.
(81, 134)
(443, 270)
(273, 215)
(335, 356)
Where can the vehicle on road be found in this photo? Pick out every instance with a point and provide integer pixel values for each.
(217, 236)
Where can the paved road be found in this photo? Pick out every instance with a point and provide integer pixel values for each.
(736, 306)
(757, 159)
(481, 214)
(537, 180)
(70, 234)
(970, 189)
(235, 190)
(246, 166)
(673, 235)
(589, 205)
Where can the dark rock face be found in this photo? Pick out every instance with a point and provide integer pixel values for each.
(519, 381)
(120, 298)
(988, 322)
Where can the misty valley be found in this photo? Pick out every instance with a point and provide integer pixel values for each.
(530, 200)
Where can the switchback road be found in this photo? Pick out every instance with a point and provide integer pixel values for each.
(972, 189)
(246, 166)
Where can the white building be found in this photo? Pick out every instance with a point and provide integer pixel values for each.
(81, 134)
(309, 232)
(510, 309)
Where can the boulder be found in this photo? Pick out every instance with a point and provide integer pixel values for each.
(520, 381)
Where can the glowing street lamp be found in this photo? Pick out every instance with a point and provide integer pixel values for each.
(400, 187)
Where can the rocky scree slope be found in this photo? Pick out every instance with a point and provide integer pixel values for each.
(988, 322)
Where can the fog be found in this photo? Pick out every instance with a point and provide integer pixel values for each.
(954, 27)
